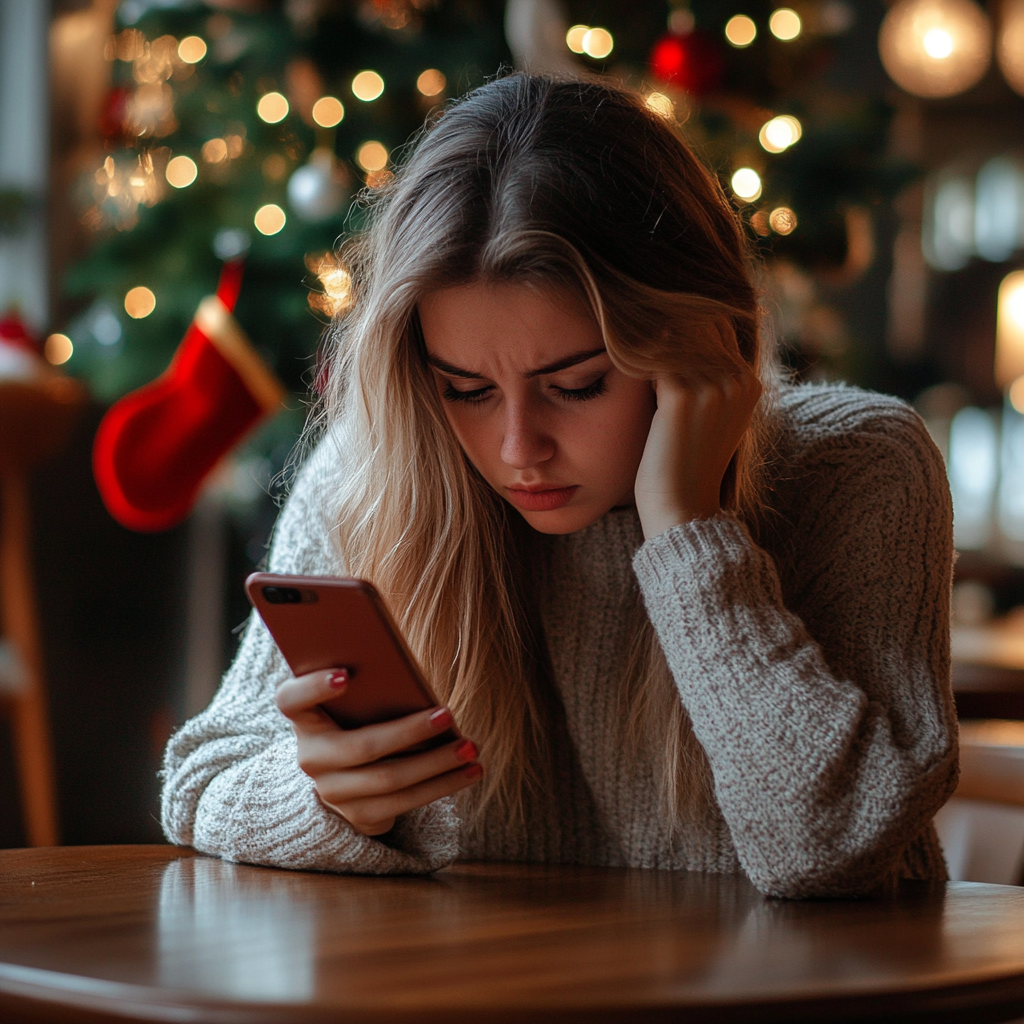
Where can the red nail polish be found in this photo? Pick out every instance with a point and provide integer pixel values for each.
(441, 719)
(338, 679)
(473, 771)
(466, 751)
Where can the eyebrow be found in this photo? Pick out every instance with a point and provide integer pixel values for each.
(559, 364)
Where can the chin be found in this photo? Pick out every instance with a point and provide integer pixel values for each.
(562, 520)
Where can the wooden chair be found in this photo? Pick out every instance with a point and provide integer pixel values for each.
(35, 420)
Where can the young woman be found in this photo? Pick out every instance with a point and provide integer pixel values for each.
(686, 618)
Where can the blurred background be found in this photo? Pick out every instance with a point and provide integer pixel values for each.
(875, 151)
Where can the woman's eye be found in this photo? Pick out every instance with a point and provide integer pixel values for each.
(452, 394)
(599, 387)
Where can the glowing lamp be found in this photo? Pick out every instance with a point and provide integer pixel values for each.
(1010, 330)
(935, 48)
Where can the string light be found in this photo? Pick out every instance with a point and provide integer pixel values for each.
(782, 220)
(269, 219)
(740, 31)
(746, 183)
(598, 43)
(785, 24)
(181, 171)
(431, 82)
(215, 151)
(574, 37)
(272, 107)
(192, 49)
(139, 302)
(58, 349)
(367, 86)
(660, 104)
(336, 282)
(780, 133)
(328, 111)
(372, 156)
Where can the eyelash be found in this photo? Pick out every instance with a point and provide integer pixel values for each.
(599, 387)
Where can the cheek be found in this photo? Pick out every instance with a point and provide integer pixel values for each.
(616, 438)
(471, 431)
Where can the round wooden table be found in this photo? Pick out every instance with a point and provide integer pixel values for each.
(154, 933)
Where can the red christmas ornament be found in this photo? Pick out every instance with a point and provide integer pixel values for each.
(692, 62)
(114, 112)
(156, 446)
(14, 332)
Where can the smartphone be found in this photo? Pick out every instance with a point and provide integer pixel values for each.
(322, 622)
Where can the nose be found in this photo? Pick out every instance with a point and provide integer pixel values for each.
(526, 442)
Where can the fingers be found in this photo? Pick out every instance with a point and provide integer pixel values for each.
(374, 815)
(299, 698)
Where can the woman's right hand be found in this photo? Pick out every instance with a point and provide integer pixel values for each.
(346, 764)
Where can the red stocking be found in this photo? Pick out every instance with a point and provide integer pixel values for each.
(155, 446)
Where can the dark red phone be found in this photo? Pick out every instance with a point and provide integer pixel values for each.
(321, 622)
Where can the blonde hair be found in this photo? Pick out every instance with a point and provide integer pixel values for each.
(573, 185)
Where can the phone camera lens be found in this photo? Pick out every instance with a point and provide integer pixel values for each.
(282, 595)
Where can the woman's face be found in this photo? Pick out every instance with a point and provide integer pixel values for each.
(535, 401)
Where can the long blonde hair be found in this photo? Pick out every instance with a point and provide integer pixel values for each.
(574, 185)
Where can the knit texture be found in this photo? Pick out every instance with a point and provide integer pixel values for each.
(814, 667)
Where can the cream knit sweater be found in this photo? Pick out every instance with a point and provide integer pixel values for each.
(815, 671)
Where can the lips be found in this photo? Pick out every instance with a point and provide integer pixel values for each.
(544, 499)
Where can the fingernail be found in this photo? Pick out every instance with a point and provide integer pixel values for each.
(338, 679)
(441, 719)
(473, 771)
(466, 750)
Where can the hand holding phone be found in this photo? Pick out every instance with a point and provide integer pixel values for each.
(364, 772)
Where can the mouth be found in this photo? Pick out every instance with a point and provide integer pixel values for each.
(540, 499)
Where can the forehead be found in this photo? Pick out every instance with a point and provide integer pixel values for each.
(514, 326)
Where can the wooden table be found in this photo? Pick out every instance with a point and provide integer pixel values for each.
(154, 933)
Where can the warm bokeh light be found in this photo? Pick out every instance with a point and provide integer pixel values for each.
(272, 107)
(139, 302)
(740, 30)
(181, 171)
(1010, 329)
(192, 49)
(328, 111)
(935, 48)
(759, 222)
(215, 151)
(574, 37)
(782, 220)
(431, 82)
(275, 167)
(336, 283)
(1016, 394)
(269, 219)
(660, 104)
(746, 183)
(780, 133)
(372, 156)
(58, 349)
(367, 85)
(598, 43)
(785, 24)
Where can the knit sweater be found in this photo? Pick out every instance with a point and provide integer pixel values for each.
(814, 667)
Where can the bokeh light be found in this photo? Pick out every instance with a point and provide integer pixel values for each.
(272, 107)
(214, 151)
(746, 183)
(785, 24)
(660, 104)
(269, 219)
(372, 156)
(328, 111)
(181, 171)
(367, 86)
(431, 82)
(574, 37)
(58, 349)
(740, 30)
(783, 220)
(192, 49)
(598, 43)
(780, 133)
(139, 302)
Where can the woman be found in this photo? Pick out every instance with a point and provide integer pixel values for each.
(686, 618)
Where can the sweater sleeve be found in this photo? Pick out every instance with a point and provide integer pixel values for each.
(232, 785)
(826, 714)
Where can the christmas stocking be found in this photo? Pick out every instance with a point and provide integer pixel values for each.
(155, 446)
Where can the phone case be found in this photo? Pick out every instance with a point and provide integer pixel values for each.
(321, 622)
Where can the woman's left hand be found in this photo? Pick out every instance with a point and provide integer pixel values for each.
(694, 434)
